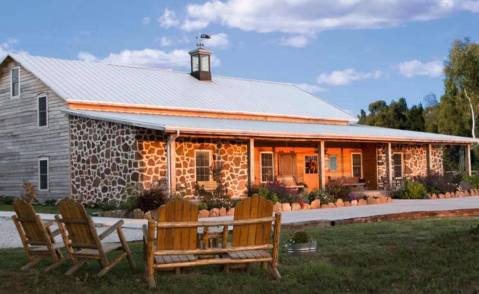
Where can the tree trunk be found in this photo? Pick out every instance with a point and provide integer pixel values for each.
(473, 115)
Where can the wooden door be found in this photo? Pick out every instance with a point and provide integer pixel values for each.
(287, 164)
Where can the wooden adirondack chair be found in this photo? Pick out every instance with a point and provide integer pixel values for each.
(256, 234)
(84, 243)
(37, 238)
(178, 210)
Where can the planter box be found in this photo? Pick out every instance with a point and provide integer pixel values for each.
(311, 246)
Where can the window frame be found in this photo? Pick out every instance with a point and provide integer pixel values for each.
(329, 162)
(317, 164)
(19, 82)
(352, 163)
(210, 159)
(402, 164)
(40, 159)
(46, 110)
(261, 166)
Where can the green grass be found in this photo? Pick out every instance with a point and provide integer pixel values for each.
(422, 256)
(39, 208)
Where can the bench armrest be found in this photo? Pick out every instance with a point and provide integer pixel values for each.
(111, 229)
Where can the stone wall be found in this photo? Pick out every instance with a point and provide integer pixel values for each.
(233, 154)
(415, 161)
(106, 158)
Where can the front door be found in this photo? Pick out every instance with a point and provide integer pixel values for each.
(311, 168)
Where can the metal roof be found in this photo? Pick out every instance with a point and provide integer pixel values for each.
(98, 82)
(257, 128)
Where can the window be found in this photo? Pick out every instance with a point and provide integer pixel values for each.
(267, 167)
(15, 82)
(42, 111)
(397, 165)
(357, 165)
(195, 60)
(311, 164)
(333, 163)
(205, 64)
(202, 165)
(43, 174)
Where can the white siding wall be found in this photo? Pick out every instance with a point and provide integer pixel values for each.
(22, 142)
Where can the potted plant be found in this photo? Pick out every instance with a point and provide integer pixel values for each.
(301, 242)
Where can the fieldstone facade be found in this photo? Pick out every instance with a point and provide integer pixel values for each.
(110, 159)
(415, 161)
(232, 154)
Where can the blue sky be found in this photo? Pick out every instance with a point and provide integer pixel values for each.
(348, 52)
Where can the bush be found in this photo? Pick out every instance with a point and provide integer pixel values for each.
(322, 195)
(439, 184)
(276, 192)
(472, 181)
(50, 202)
(153, 198)
(301, 237)
(337, 189)
(411, 190)
(8, 200)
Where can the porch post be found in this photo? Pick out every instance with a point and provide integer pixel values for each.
(467, 159)
(171, 170)
(251, 163)
(389, 166)
(322, 175)
(429, 159)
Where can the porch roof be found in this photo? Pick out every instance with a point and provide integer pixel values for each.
(271, 129)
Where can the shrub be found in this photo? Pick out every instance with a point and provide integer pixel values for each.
(337, 189)
(301, 237)
(276, 192)
(153, 198)
(322, 195)
(8, 200)
(411, 190)
(266, 193)
(472, 181)
(50, 202)
(439, 184)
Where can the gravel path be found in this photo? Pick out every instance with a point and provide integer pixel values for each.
(132, 227)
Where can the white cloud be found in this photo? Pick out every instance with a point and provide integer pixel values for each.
(86, 56)
(415, 67)
(7, 47)
(311, 88)
(168, 19)
(346, 76)
(309, 17)
(146, 20)
(152, 58)
(218, 40)
(165, 42)
(298, 41)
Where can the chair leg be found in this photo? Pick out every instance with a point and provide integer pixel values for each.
(75, 267)
(150, 278)
(111, 264)
(126, 248)
(55, 265)
(33, 262)
(275, 272)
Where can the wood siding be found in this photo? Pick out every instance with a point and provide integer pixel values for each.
(22, 142)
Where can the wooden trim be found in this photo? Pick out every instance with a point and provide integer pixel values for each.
(322, 172)
(19, 82)
(467, 158)
(389, 165)
(144, 109)
(251, 159)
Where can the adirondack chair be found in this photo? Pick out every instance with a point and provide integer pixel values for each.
(37, 238)
(256, 234)
(171, 238)
(84, 243)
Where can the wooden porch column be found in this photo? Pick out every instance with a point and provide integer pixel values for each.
(171, 153)
(389, 165)
(322, 174)
(467, 159)
(429, 159)
(251, 163)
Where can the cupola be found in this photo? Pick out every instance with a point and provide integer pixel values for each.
(201, 60)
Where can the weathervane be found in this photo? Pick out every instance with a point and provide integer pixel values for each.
(200, 39)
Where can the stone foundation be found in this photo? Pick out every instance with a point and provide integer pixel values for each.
(415, 161)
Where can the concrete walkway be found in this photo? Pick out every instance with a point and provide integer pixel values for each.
(132, 227)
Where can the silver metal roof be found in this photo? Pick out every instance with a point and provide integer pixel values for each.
(123, 85)
(237, 127)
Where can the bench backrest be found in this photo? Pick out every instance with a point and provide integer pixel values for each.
(253, 234)
(177, 210)
(31, 223)
(78, 224)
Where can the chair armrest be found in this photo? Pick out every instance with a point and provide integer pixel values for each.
(111, 229)
(48, 223)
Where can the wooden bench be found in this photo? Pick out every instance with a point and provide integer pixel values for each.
(289, 182)
(171, 242)
(352, 182)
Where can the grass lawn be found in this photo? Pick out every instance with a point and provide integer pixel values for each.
(39, 208)
(422, 256)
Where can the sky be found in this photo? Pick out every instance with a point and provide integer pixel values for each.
(347, 52)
